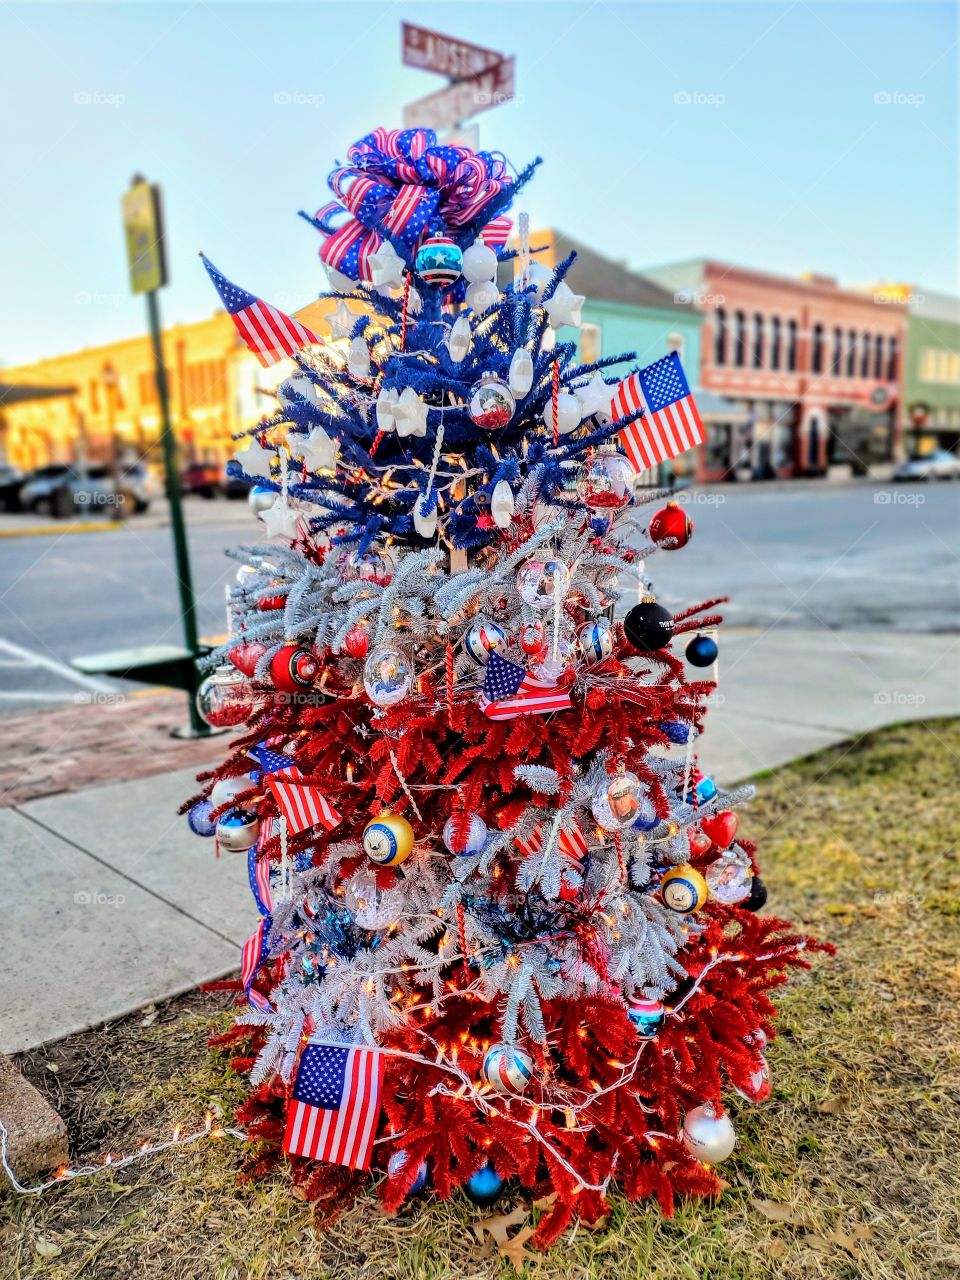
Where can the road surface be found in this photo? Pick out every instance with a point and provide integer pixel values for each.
(842, 557)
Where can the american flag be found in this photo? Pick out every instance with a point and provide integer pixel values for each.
(571, 841)
(251, 958)
(258, 870)
(497, 232)
(268, 333)
(336, 1104)
(671, 424)
(302, 804)
(510, 691)
(272, 761)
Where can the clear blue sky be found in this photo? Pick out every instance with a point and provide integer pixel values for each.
(784, 158)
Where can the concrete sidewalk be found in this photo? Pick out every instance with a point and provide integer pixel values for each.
(126, 906)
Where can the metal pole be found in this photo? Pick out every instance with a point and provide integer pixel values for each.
(188, 609)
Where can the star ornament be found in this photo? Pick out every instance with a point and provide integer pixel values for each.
(564, 307)
(256, 460)
(318, 451)
(410, 414)
(281, 520)
(386, 267)
(342, 321)
(595, 397)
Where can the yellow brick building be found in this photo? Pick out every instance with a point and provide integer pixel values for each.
(217, 388)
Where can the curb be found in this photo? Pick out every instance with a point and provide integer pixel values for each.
(37, 530)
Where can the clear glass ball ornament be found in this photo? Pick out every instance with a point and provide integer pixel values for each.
(225, 698)
(542, 583)
(618, 801)
(491, 403)
(730, 878)
(605, 481)
(387, 675)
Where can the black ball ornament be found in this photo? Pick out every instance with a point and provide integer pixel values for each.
(757, 898)
(648, 625)
(702, 651)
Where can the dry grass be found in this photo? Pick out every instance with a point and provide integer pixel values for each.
(850, 1171)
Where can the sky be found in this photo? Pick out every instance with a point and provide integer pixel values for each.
(788, 137)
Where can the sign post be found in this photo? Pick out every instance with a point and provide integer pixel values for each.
(478, 78)
(158, 664)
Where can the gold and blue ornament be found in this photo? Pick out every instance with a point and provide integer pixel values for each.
(506, 1069)
(481, 640)
(683, 889)
(439, 260)
(647, 1017)
(388, 839)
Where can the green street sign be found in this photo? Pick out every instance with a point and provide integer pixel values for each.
(143, 229)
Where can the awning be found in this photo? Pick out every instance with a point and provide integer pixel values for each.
(18, 393)
(714, 408)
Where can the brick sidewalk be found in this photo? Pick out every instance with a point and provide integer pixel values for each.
(48, 752)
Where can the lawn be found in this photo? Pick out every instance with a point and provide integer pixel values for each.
(851, 1170)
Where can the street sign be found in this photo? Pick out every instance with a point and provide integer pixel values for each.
(432, 51)
(143, 229)
(462, 99)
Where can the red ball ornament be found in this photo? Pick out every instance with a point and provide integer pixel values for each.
(246, 656)
(721, 827)
(293, 669)
(671, 527)
(266, 604)
(595, 699)
(356, 641)
(532, 638)
(699, 843)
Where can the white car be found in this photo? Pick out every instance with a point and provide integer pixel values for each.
(939, 465)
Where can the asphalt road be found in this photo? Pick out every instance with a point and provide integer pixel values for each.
(840, 557)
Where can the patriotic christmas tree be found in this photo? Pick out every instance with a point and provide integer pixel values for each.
(507, 928)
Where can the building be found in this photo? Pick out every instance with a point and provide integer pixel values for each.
(930, 405)
(816, 367)
(108, 393)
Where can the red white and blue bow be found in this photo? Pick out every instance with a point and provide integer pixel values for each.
(399, 184)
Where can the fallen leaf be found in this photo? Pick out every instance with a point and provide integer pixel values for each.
(834, 1106)
(850, 1241)
(511, 1247)
(546, 1202)
(52, 1066)
(46, 1248)
(789, 1214)
(775, 1248)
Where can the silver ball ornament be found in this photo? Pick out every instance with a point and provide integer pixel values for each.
(708, 1133)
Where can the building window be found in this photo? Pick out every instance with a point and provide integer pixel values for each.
(937, 365)
(775, 342)
(720, 336)
(758, 341)
(204, 384)
(852, 353)
(816, 350)
(792, 346)
(94, 396)
(892, 359)
(865, 356)
(878, 357)
(591, 339)
(147, 388)
(740, 340)
(675, 343)
(836, 363)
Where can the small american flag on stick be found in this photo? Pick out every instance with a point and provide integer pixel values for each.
(267, 332)
(302, 804)
(510, 691)
(671, 424)
(335, 1105)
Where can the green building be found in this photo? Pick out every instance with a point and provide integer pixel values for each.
(931, 373)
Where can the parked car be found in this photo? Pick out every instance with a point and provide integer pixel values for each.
(11, 482)
(939, 465)
(202, 478)
(234, 486)
(62, 491)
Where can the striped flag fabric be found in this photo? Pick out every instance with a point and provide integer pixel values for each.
(258, 870)
(301, 803)
(251, 958)
(571, 841)
(497, 232)
(509, 690)
(670, 424)
(335, 1106)
(268, 333)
